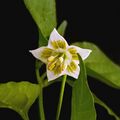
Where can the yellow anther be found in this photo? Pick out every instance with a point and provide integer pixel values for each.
(51, 66)
(51, 58)
(60, 59)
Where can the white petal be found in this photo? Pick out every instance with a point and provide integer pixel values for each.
(84, 53)
(74, 74)
(55, 36)
(42, 53)
(51, 76)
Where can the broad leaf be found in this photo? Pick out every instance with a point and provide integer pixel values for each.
(110, 112)
(18, 96)
(82, 99)
(42, 40)
(62, 28)
(44, 14)
(100, 66)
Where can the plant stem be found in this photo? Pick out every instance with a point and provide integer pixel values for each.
(61, 97)
(40, 99)
(44, 75)
(41, 107)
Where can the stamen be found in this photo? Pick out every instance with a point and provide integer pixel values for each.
(57, 63)
(60, 59)
(51, 66)
(51, 58)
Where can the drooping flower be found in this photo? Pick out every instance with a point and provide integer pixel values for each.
(59, 57)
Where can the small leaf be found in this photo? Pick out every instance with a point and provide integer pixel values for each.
(62, 28)
(44, 14)
(18, 96)
(82, 100)
(110, 112)
(100, 66)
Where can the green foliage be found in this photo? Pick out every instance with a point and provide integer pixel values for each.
(100, 66)
(44, 14)
(110, 112)
(42, 41)
(18, 96)
(62, 28)
(82, 99)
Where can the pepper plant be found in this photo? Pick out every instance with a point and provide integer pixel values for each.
(76, 61)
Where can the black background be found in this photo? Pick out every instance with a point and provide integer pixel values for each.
(97, 22)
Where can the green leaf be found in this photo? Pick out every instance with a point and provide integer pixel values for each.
(62, 28)
(82, 99)
(18, 96)
(44, 14)
(42, 41)
(110, 112)
(100, 66)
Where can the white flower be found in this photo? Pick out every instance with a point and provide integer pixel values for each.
(59, 57)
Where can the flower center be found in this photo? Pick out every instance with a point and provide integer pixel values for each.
(58, 63)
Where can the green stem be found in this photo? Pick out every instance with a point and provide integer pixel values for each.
(41, 107)
(61, 97)
(40, 99)
(46, 83)
(38, 76)
(44, 75)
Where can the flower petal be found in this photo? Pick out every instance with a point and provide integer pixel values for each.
(57, 41)
(42, 53)
(73, 53)
(73, 70)
(52, 76)
(84, 53)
